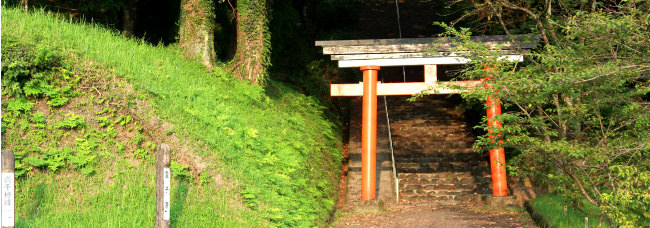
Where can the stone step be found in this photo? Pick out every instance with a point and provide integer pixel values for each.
(434, 141)
(445, 184)
(442, 186)
(433, 151)
(440, 167)
(428, 127)
(428, 177)
(420, 148)
(435, 198)
(446, 156)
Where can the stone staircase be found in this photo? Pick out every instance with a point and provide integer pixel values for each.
(433, 149)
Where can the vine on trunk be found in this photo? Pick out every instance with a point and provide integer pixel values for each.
(253, 56)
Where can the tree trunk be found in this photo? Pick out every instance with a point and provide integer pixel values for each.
(197, 31)
(129, 17)
(24, 3)
(252, 57)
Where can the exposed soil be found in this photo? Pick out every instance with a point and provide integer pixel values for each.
(469, 214)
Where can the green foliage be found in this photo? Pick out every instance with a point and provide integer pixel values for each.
(562, 212)
(103, 12)
(276, 144)
(52, 160)
(40, 73)
(103, 121)
(576, 111)
(180, 171)
(71, 121)
(18, 105)
(629, 201)
(85, 156)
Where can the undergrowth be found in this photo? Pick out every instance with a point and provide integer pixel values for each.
(278, 153)
(561, 212)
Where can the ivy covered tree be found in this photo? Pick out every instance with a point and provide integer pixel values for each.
(253, 55)
(196, 33)
(578, 110)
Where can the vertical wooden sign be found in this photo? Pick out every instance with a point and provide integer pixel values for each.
(163, 186)
(8, 189)
(166, 193)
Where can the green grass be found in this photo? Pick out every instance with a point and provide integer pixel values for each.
(561, 213)
(275, 146)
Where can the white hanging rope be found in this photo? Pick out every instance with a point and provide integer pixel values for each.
(392, 152)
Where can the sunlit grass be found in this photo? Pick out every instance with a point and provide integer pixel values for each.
(560, 212)
(275, 143)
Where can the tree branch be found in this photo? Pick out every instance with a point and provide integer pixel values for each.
(533, 15)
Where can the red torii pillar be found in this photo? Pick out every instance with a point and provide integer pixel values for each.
(369, 133)
(497, 155)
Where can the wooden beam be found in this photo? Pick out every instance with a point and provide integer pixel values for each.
(406, 88)
(427, 40)
(412, 55)
(401, 48)
(430, 73)
(417, 61)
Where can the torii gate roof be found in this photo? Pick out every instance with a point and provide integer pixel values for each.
(411, 51)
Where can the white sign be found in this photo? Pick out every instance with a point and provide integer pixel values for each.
(166, 193)
(7, 197)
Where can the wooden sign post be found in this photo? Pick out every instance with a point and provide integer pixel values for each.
(163, 186)
(8, 189)
(370, 55)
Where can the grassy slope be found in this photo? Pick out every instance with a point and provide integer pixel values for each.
(274, 146)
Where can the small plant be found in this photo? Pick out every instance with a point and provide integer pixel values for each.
(140, 153)
(205, 178)
(103, 121)
(71, 121)
(85, 156)
(122, 120)
(137, 138)
(180, 171)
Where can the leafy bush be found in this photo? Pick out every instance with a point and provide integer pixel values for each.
(39, 73)
(577, 111)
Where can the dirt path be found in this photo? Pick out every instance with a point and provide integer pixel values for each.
(423, 214)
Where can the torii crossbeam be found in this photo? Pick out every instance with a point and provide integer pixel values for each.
(370, 55)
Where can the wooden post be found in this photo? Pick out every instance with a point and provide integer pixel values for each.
(8, 189)
(163, 186)
(430, 73)
(369, 133)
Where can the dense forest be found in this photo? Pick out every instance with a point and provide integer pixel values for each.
(576, 111)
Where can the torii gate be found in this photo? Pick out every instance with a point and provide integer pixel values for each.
(371, 54)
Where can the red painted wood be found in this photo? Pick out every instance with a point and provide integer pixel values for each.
(369, 133)
(497, 155)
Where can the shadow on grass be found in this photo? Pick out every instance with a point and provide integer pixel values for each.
(178, 202)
